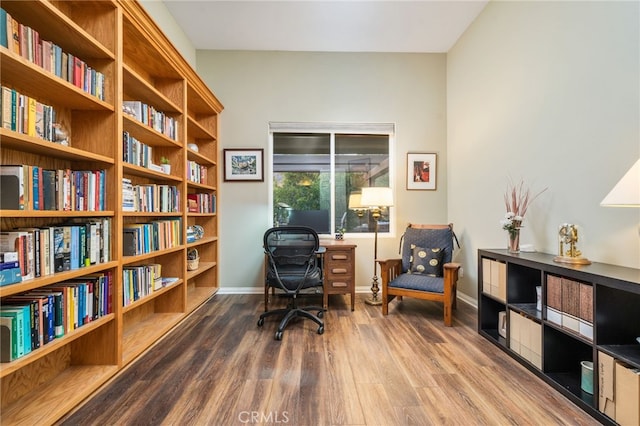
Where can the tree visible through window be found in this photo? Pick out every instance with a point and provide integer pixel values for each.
(315, 174)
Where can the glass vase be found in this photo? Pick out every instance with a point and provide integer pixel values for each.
(514, 241)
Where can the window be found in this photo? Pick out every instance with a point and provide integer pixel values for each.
(317, 168)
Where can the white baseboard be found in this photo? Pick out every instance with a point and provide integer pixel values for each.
(362, 289)
(241, 290)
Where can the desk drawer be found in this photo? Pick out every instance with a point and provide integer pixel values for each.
(333, 256)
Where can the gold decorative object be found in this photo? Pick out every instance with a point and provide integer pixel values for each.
(567, 251)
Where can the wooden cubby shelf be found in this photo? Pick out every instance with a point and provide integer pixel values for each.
(118, 41)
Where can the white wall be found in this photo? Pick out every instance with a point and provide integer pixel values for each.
(548, 92)
(258, 87)
(160, 14)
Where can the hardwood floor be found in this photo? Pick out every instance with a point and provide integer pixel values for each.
(219, 368)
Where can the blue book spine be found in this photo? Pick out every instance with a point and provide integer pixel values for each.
(75, 247)
(58, 60)
(36, 188)
(9, 265)
(10, 276)
(4, 41)
(51, 318)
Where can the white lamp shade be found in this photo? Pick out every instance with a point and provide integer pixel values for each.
(355, 201)
(626, 193)
(377, 197)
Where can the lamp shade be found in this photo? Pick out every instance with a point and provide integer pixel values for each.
(355, 201)
(626, 193)
(377, 197)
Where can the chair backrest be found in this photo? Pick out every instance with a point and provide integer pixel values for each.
(291, 245)
(427, 236)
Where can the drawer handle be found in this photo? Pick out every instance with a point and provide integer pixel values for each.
(339, 270)
(338, 284)
(339, 257)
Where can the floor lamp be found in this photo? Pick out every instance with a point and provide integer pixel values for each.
(376, 198)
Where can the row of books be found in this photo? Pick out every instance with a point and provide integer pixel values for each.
(136, 152)
(151, 117)
(25, 187)
(201, 203)
(47, 250)
(196, 173)
(570, 305)
(30, 320)
(141, 281)
(26, 115)
(149, 197)
(141, 238)
(26, 42)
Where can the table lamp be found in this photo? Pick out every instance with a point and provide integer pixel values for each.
(626, 193)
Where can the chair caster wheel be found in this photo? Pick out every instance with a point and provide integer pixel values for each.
(278, 335)
(260, 322)
(321, 329)
(320, 314)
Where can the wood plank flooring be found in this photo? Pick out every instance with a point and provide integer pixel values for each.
(219, 368)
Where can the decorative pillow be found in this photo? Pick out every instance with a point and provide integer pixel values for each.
(426, 261)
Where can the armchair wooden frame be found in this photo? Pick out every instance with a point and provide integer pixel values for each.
(391, 268)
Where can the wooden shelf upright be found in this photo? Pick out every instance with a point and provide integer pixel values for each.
(120, 42)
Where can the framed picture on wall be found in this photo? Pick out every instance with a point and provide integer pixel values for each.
(422, 170)
(244, 165)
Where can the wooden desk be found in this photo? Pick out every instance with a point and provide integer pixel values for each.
(339, 270)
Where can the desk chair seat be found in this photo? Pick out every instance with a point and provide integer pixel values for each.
(292, 265)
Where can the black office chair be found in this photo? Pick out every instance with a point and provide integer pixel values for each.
(292, 265)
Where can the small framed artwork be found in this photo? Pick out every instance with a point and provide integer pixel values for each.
(243, 165)
(422, 170)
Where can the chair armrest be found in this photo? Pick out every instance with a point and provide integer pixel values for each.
(450, 271)
(452, 265)
(389, 269)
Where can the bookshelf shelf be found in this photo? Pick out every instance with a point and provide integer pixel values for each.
(32, 144)
(16, 68)
(145, 133)
(200, 186)
(127, 260)
(9, 368)
(136, 88)
(60, 395)
(587, 310)
(198, 295)
(131, 169)
(120, 41)
(54, 24)
(149, 298)
(146, 331)
(197, 130)
(54, 278)
(199, 158)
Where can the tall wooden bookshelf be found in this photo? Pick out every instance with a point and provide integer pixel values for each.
(118, 39)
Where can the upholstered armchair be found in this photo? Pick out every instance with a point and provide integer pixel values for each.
(425, 270)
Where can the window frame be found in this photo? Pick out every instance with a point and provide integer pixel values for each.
(388, 129)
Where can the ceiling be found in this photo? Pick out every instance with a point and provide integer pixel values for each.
(326, 26)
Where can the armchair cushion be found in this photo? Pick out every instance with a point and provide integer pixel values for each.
(419, 282)
(426, 261)
(441, 238)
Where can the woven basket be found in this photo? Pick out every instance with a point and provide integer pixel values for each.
(192, 264)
